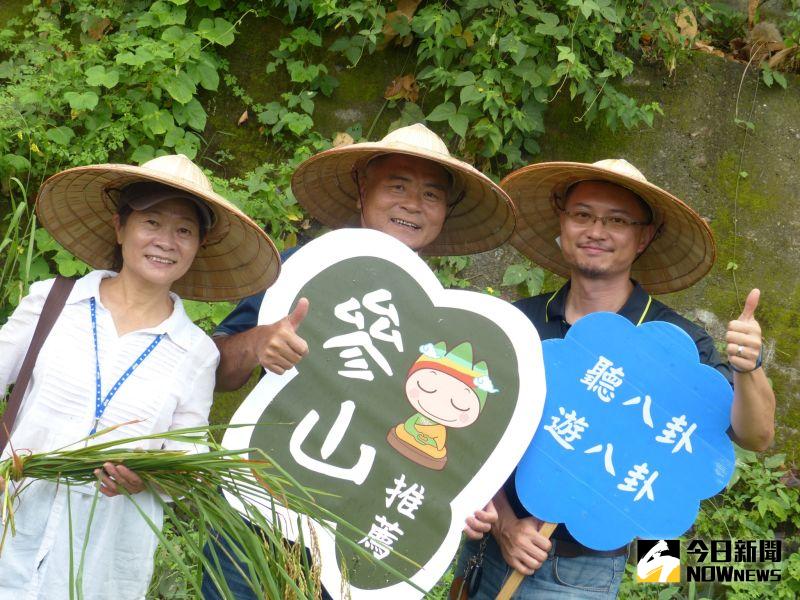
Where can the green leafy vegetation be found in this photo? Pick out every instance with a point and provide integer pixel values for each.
(757, 504)
(525, 277)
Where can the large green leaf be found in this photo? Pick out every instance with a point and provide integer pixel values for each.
(81, 100)
(470, 94)
(99, 76)
(459, 124)
(515, 274)
(173, 136)
(155, 120)
(410, 114)
(173, 34)
(180, 86)
(204, 72)
(191, 113)
(188, 145)
(217, 30)
(464, 78)
(534, 281)
(15, 162)
(167, 14)
(550, 27)
(60, 135)
(442, 112)
(298, 123)
(141, 57)
(142, 154)
(773, 462)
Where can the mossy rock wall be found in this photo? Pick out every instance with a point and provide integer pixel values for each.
(357, 100)
(10, 9)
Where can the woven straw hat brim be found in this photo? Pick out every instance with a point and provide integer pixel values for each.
(484, 218)
(682, 253)
(237, 260)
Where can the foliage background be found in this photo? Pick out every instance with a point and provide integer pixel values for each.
(249, 89)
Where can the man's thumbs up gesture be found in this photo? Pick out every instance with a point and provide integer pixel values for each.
(744, 337)
(281, 348)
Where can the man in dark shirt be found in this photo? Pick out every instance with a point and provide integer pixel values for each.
(605, 227)
(407, 186)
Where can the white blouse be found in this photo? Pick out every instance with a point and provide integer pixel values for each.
(171, 389)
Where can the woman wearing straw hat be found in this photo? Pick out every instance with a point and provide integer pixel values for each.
(122, 359)
(618, 239)
(408, 186)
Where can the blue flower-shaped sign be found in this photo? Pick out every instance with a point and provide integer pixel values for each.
(633, 433)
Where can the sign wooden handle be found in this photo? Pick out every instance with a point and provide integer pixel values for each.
(514, 581)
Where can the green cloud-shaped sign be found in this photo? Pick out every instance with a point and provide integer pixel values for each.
(411, 409)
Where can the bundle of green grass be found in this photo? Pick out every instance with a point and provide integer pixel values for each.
(190, 487)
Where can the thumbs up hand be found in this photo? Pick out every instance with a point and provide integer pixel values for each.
(744, 336)
(279, 347)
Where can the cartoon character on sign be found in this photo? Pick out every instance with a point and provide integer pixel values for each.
(447, 390)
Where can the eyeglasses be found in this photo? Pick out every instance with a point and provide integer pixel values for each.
(616, 224)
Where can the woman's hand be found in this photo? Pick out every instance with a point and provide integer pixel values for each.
(112, 477)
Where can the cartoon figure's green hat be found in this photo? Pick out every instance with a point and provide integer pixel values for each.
(457, 363)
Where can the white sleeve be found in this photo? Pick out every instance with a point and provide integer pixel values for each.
(17, 333)
(195, 404)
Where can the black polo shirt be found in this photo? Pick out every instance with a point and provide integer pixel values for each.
(547, 313)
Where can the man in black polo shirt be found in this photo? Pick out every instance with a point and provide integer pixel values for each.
(617, 238)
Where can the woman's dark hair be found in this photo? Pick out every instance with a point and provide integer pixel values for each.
(124, 211)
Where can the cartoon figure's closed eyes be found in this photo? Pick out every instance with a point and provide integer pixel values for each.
(447, 390)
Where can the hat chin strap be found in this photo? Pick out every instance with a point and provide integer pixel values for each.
(456, 202)
(451, 208)
(656, 234)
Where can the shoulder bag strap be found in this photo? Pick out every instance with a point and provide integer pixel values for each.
(53, 306)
